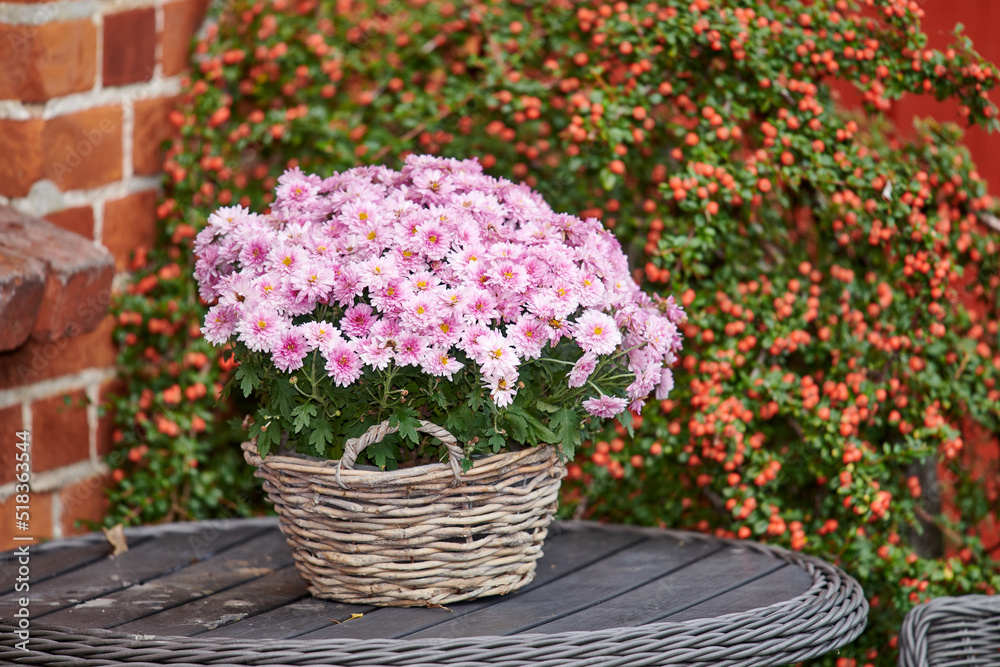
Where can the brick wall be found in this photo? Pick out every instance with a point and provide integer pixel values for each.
(86, 87)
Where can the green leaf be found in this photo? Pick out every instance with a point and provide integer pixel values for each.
(382, 453)
(405, 420)
(546, 407)
(249, 377)
(283, 396)
(627, 422)
(302, 415)
(321, 436)
(566, 424)
(497, 442)
(518, 425)
(540, 431)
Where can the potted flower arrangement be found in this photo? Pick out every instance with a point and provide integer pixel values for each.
(403, 318)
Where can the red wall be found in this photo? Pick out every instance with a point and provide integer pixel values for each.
(981, 19)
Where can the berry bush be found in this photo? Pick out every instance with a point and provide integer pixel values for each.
(841, 273)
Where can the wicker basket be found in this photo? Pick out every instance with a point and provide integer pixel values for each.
(422, 536)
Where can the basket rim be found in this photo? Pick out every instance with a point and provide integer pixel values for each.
(299, 463)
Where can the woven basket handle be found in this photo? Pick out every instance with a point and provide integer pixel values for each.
(354, 446)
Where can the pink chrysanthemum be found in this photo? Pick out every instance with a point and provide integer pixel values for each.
(421, 264)
(312, 281)
(389, 298)
(482, 307)
(495, 355)
(289, 351)
(597, 332)
(358, 320)
(507, 277)
(582, 370)
(219, 324)
(665, 385)
(439, 363)
(605, 406)
(343, 364)
(502, 388)
(433, 240)
(410, 350)
(375, 355)
(260, 328)
(320, 334)
(529, 337)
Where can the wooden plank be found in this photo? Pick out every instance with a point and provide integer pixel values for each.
(51, 562)
(290, 620)
(262, 554)
(565, 551)
(261, 594)
(151, 559)
(697, 581)
(778, 586)
(609, 577)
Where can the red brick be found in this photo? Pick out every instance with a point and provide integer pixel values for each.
(78, 220)
(39, 520)
(83, 150)
(42, 360)
(83, 502)
(181, 21)
(47, 60)
(129, 46)
(20, 146)
(10, 423)
(22, 288)
(78, 273)
(152, 127)
(129, 224)
(60, 431)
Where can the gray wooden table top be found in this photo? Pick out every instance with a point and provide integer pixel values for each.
(237, 579)
(227, 592)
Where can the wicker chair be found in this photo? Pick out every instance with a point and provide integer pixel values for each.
(952, 631)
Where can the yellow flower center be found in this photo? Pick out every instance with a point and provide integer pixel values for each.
(287, 261)
(598, 331)
(261, 324)
(371, 235)
(445, 328)
(362, 216)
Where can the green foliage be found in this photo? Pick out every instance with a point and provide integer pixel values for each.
(842, 351)
(316, 417)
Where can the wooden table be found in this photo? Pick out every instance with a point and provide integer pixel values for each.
(232, 586)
